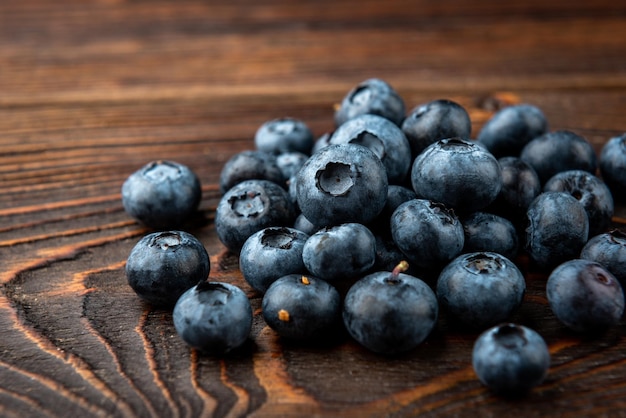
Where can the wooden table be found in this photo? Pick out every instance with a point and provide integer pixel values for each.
(91, 91)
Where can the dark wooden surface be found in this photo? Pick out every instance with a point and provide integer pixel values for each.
(90, 91)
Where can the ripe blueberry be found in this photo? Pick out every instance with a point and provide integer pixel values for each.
(162, 265)
(162, 194)
(213, 317)
(510, 359)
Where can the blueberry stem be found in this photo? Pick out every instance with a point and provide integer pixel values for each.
(401, 267)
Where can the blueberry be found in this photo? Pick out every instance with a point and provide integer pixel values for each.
(303, 224)
(511, 128)
(520, 186)
(585, 296)
(435, 120)
(322, 142)
(373, 96)
(594, 195)
(396, 195)
(383, 138)
(510, 359)
(428, 233)
(557, 229)
(390, 313)
(613, 165)
(302, 307)
(458, 173)
(248, 165)
(290, 163)
(558, 151)
(163, 265)
(342, 183)
(162, 194)
(480, 289)
(340, 252)
(488, 232)
(249, 207)
(283, 135)
(608, 249)
(213, 317)
(271, 253)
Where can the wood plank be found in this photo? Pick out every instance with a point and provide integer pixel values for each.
(91, 91)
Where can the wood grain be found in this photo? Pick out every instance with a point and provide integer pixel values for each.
(91, 91)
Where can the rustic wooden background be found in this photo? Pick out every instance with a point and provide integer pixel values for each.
(92, 90)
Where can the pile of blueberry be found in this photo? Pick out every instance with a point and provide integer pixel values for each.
(376, 226)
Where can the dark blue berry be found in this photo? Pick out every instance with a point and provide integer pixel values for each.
(302, 307)
(608, 249)
(458, 173)
(488, 232)
(162, 194)
(383, 138)
(558, 151)
(435, 120)
(390, 313)
(271, 253)
(248, 165)
(373, 96)
(163, 265)
(342, 183)
(213, 317)
(594, 195)
(428, 233)
(249, 207)
(480, 289)
(340, 252)
(290, 163)
(585, 296)
(557, 229)
(283, 135)
(613, 165)
(511, 128)
(520, 186)
(510, 359)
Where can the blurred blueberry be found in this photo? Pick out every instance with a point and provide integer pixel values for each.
(511, 128)
(249, 207)
(162, 194)
(283, 135)
(558, 151)
(613, 165)
(480, 289)
(163, 265)
(248, 165)
(510, 359)
(594, 195)
(520, 186)
(303, 224)
(435, 120)
(585, 296)
(608, 249)
(302, 307)
(342, 183)
(290, 163)
(321, 142)
(271, 253)
(488, 232)
(340, 252)
(373, 96)
(428, 233)
(458, 173)
(557, 229)
(390, 313)
(213, 317)
(383, 138)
